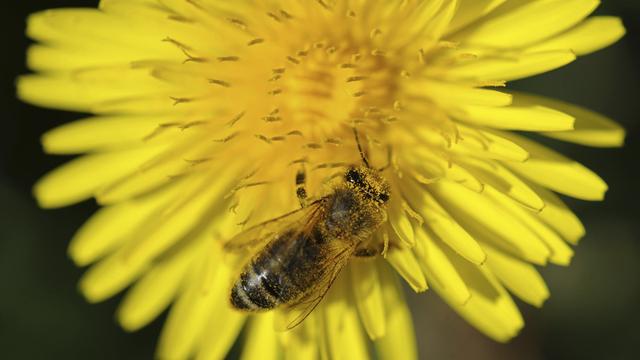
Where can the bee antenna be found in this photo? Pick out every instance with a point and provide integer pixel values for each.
(364, 158)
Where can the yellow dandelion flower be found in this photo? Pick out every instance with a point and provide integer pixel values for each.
(204, 113)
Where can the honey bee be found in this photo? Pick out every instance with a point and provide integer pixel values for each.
(302, 252)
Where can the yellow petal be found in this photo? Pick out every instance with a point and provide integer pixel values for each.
(591, 128)
(471, 10)
(556, 172)
(481, 143)
(81, 178)
(368, 297)
(490, 222)
(261, 341)
(100, 133)
(405, 263)
(166, 168)
(519, 277)
(198, 210)
(516, 117)
(591, 35)
(193, 310)
(110, 276)
(559, 217)
(73, 92)
(152, 294)
(490, 308)
(529, 23)
(429, 165)
(501, 179)
(302, 342)
(90, 29)
(450, 94)
(108, 228)
(399, 342)
(442, 223)
(344, 335)
(399, 222)
(438, 268)
(507, 69)
(219, 341)
(560, 252)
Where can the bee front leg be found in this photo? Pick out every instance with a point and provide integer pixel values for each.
(301, 189)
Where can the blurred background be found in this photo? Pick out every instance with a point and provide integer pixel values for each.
(592, 313)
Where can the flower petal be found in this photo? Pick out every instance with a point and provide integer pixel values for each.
(261, 341)
(490, 222)
(442, 223)
(191, 312)
(501, 179)
(556, 172)
(399, 342)
(81, 178)
(368, 297)
(516, 117)
(591, 128)
(490, 308)
(470, 11)
(152, 294)
(100, 134)
(344, 335)
(559, 217)
(107, 229)
(519, 277)
(512, 68)
(591, 35)
(438, 268)
(529, 23)
(405, 263)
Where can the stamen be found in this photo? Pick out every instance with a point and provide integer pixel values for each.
(255, 42)
(219, 82)
(178, 100)
(226, 139)
(236, 119)
(228, 58)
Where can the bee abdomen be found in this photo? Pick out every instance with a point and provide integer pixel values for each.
(254, 291)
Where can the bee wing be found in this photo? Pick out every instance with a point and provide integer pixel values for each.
(294, 314)
(263, 233)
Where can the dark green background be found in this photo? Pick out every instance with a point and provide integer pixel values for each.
(592, 313)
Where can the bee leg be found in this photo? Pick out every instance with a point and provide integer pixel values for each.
(369, 250)
(301, 190)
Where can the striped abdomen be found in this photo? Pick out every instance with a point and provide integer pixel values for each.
(279, 274)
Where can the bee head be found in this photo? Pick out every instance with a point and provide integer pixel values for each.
(368, 182)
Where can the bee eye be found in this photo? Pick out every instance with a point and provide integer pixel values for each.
(353, 176)
(384, 197)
